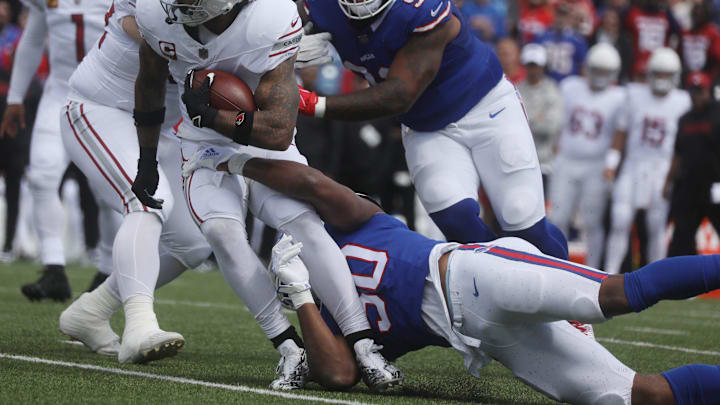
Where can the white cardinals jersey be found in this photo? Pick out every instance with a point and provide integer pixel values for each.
(73, 27)
(264, 34)
(652, 122)
(590, 118)
(107, 74)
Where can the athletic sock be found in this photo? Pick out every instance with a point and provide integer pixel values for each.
(461, 223)
(546, 237)
(694, 384)
(135, 254)
(139, 314)
(672, 279)
(289, 333)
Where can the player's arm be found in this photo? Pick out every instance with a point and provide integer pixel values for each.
(614, 154)
(27, 58)
(129, 25)
(270, 127)
(149, 116)
(415, 66)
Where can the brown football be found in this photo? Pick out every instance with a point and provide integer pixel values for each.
(227, 91)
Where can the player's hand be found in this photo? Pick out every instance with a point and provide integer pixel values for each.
(292, 279)
(197, 101)
(315, 50)
(609, 174)
(13, 120)
(146, 180)
(308, 101)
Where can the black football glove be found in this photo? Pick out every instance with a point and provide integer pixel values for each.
(146, 180)
(197, 101)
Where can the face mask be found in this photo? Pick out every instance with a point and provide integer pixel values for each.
(662, 85)
(599, 82)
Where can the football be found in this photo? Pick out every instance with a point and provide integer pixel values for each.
(227, 91)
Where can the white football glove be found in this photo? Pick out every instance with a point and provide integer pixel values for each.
(315, 50)
(290, 274)
(212, 157)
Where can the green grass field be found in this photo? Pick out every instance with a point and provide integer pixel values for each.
(227, 360)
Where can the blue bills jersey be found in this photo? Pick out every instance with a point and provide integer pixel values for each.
(389, 264)
(469, 69)
(566, 51)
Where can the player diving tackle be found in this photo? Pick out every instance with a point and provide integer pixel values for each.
(502, 300)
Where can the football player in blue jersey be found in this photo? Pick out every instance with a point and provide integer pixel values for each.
(504, 300)
(464, 125)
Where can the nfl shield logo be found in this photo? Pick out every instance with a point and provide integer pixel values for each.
(203, 53)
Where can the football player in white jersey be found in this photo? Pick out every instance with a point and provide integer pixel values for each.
(646, 134)
(592, 107)
(71, 28)
(256, 41)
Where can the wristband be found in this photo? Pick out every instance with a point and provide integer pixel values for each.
(243, 127)
(149, 118)
(612, 159)
(301, 298)
(320, 107)
(236, 164)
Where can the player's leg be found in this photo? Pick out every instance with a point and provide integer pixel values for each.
(656, 220)
(564, 194)
(621, 218)
(329, 272)
(102, 143)
(216, 203)
(592, 208)
(506, 161)
(109, 221)
(48, 162)
(447, 183)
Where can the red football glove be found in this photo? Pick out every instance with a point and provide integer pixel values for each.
(308, 101)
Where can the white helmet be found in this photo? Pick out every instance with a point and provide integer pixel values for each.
(663, 61)
(603, 63)
(363, 9)
(197, 12)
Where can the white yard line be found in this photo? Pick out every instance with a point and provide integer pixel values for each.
(180, 380)
(656, 346)
(72, 342)
(657, 331)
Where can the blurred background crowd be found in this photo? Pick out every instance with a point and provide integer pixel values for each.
(539, 42)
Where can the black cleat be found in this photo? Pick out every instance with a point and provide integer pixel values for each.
(96, 281)
(52, 284)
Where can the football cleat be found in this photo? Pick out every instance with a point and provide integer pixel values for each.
(97, 280)
(377, 373)
(293, 367)
(149, 346)
(585, 328)
(52, 284)
(81, 322)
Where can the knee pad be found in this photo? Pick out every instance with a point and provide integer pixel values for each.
(461, 223)
(520, 207)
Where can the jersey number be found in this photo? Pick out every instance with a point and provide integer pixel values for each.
(653, 131)
(77, 19)
(379, 259)
(587, 123)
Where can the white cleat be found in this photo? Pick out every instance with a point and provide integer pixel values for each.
(145, 346)
(377, 373)
(293, 368)
(81, 322)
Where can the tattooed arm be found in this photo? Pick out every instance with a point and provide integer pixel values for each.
(277, 99)
(412, 70)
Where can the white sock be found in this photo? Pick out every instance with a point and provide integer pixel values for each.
(136, 260)
(139, 314)
(49, 220)
(329, 272)
(109, 222)
(246, 275)
(102, 302)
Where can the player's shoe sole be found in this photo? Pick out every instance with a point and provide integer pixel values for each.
(158, 346)
(167, 349)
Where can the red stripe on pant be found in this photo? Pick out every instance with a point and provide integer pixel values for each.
(187, 193)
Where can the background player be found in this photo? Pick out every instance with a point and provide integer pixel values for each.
(646, 131)
(503, 300)
(592, 108)
(463, 122)
(186, 35)
(71, 29)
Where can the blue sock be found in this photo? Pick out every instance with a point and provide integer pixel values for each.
(546, 237)
(673, 278)
(695, 384)
(461, 223)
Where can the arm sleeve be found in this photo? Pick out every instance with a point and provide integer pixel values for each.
(123, 8)
(27, 56)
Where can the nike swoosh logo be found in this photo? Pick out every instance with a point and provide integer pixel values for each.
(433, 13)
(476, 291)
(497, 113)
(294, 23)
